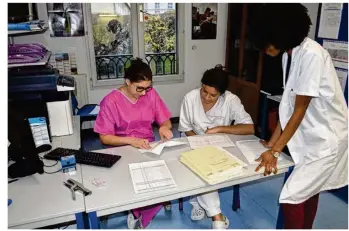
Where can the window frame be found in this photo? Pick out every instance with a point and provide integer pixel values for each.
(138, 49)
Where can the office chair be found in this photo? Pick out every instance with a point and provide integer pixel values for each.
(86, 112)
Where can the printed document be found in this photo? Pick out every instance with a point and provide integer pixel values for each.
(151, 176)
(222, 141)
(212, 164)
(157, 147)
(252, 149)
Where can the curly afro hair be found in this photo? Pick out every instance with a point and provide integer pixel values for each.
(283, 25)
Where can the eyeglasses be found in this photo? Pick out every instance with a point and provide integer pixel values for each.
(141, 89)
(219, 67)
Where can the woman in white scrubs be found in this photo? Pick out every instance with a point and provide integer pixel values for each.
(212, 109)
(313, 114)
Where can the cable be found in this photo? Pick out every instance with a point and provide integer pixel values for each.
(65, 227)
(42, 158)
(52, 165)
(53, 172)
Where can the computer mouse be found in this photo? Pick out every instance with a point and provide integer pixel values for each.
(44, 148)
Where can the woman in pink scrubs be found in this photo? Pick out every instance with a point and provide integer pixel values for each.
(125, 118)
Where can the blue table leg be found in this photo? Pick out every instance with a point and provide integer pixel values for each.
(94, 220)
(280, 218)
(236, 197)
(81, 221)
(264, 116)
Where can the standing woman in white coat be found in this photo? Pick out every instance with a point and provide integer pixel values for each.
(312, 113)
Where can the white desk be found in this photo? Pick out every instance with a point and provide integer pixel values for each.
(42, 200)
(118, 193)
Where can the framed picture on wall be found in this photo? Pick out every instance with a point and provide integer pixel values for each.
(65, 19)
(204, 20)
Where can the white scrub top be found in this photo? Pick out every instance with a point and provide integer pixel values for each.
(227, 109)
(319, 147)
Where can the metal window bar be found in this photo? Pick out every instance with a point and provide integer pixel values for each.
(112, 66)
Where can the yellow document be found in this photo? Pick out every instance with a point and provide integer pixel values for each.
(213, 164)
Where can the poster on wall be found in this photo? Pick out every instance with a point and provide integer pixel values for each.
(342, 77)
(204, 20)
(338, 51)
(65, 19)
(330, 20)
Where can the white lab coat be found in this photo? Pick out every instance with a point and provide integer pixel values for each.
(319, 147)
(228, 108)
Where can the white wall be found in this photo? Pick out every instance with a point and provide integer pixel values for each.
(207, 54)
(312, 10)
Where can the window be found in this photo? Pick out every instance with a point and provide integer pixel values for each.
(170, 5)
(157, 5)
(116, 37)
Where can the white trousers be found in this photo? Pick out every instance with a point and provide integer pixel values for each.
(209, 202)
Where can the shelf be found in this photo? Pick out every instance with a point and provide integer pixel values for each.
(64, 11)
(276, 98)
(42, 62)
(13, 33)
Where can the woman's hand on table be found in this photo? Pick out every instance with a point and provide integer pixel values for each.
(140, 143)
(165, 133)
(266, 144)
(269, 162)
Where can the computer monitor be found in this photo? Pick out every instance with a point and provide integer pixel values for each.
(19, 135)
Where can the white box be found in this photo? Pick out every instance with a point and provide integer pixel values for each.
(61, 117)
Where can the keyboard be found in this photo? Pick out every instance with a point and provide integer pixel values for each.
(88, 158)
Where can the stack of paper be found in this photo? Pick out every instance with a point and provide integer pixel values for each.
(156, 148)
(212, 164)
(151, 176)
(252, 149)
(222, 141)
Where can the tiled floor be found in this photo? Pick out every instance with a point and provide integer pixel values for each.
(259, 208)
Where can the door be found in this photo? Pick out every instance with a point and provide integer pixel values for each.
(243, 60)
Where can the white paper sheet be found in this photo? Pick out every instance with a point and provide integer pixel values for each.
(222, 141)
(156, 148)
(342, 65)
(151, 176)
(330, 19)
(342, 76)
(252, 149)
(338, 50)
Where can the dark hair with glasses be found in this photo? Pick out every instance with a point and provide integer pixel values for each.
(140, 89)
(217, 78)
(138, 71)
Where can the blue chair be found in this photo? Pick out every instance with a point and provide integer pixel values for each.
(86, 112)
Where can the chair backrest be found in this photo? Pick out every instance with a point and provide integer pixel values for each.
(74, 103)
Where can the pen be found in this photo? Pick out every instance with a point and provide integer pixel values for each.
(12, 181)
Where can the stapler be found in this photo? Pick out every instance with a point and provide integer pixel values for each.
(73, 185)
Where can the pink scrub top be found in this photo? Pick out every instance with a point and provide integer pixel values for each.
(119, 116)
